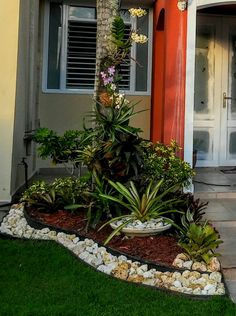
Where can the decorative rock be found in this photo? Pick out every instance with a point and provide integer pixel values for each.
(75, 240)
(149, 282)
(135, 278)
(182, 256)
(214, 265)
(176, 275)
(186, 274)
(177, 284)
(201, 266)
(188, 264)
(178, 263)
(216, 276)
(121, 271)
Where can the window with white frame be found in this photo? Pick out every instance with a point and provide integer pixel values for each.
(70, 50)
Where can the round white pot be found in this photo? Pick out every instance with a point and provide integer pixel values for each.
(137, 228)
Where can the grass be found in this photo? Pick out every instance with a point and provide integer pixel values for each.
(41, 278)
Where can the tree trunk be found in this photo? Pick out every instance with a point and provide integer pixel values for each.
(107, 10)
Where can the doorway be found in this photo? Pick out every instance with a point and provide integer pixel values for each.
(214, 134)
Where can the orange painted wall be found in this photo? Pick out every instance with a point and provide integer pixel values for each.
(169, 70)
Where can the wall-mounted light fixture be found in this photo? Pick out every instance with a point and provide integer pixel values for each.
(182, 4)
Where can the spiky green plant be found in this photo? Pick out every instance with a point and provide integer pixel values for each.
(145, 207)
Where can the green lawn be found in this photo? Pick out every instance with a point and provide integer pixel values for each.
(42, 278)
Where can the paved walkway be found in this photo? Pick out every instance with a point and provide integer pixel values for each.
(219, 189)
(222, 214)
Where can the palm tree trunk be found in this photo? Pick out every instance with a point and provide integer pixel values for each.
(107, 10)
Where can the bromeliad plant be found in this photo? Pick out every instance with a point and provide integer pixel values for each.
(143, 207)
(200, 242)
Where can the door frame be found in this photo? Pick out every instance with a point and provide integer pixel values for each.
(193, 6)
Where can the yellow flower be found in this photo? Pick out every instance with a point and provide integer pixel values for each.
(139, 38)
(137, 12)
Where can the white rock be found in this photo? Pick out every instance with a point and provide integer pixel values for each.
(122, 258)
(176, 275)
(102, 250)
(216, 276)
(188, 264)
(178, 263)
(108, 258)
(197, 291)
(201, 266)
(84, 255)
(220, 290)
(149, 282)
(76, 240)
(88, 242)
(209, 287)
(212, 290)
(107, 268)
(177, 284)
(148, 274)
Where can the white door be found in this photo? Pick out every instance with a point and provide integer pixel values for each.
(215, 91)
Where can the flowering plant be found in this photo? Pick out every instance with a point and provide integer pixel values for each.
(109, 74)
(134, 12)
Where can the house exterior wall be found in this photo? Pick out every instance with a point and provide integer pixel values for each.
(9, 17)
(61, 112)
(25, 105)
(168, 91)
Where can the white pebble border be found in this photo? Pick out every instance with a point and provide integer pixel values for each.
(188, 282)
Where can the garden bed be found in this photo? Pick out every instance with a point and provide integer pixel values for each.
(193, 283)
(160, 249)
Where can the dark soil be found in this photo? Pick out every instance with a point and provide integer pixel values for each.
(160, 249)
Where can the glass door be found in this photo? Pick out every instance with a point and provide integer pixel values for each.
(215, 91)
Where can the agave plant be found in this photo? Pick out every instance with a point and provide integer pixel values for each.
(145, 207)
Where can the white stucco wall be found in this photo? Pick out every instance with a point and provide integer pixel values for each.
(61, 112)
(9, 16)
(26, 94)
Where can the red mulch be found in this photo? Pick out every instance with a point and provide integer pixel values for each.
(161, 249)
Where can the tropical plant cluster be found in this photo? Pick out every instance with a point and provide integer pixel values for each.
(128, 177)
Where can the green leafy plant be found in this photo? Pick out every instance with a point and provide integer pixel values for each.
(62, 149)
(71, 190)
(200, 242)
(162, 161)
(42, 196)
(97, 207)
(117, 151)
(145, 207)
(56, 195)
(192, 210)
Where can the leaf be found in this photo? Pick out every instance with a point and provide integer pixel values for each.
(117, 230)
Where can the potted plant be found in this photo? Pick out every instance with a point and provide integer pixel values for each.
(146, 210)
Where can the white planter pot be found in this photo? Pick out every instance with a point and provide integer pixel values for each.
(140, 229)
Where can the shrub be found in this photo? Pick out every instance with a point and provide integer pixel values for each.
(161, 162)
(51, 197)
(42, 196)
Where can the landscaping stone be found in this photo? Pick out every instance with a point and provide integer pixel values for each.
(188, 282)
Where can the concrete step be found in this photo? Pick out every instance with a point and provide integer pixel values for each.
(230, 279)
(214, 195)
